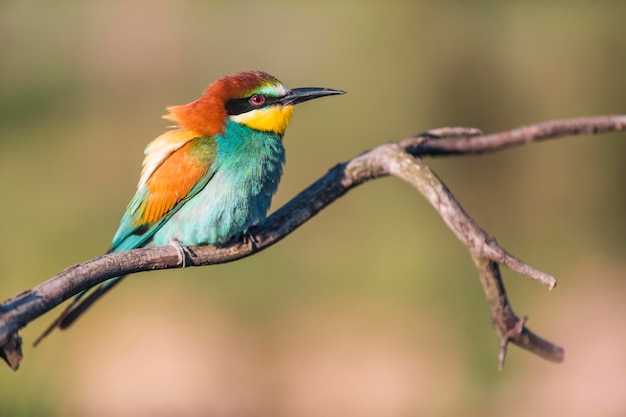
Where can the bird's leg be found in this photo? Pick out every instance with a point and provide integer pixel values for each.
(250, 239)
(183, 251)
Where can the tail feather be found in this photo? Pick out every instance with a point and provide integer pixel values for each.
(77, 307)
(71, 314)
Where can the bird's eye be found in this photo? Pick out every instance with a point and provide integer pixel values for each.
(257, 100)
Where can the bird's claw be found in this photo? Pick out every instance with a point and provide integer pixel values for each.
(182, 250)
(250, 239)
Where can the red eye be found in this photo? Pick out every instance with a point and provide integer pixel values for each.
(257, 100)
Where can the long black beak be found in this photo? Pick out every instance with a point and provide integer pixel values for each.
(299, 95)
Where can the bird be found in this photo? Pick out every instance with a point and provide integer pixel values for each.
(211, 176)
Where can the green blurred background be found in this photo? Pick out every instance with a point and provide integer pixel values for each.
(372, 308)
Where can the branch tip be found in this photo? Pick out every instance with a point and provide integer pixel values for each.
(11, 351)
(504, 343)
(498, 254)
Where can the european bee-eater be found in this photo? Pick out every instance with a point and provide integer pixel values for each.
(210, 177)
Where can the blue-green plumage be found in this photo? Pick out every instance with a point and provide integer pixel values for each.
(212, 178)
(244, 176)
(234, 194)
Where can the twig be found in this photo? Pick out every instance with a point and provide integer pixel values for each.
(397, 159)
(521, 136)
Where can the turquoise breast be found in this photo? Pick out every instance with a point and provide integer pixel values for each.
(245, 176)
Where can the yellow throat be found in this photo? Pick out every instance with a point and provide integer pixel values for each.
(269, 119)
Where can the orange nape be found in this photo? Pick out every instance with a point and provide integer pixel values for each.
(207, 115)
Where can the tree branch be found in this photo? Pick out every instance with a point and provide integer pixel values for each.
(402, 160)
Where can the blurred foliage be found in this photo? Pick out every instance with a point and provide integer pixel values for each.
(372, 308)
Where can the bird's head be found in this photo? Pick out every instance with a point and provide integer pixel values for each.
(255, 99)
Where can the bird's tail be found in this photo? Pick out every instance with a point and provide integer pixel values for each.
(78, 306)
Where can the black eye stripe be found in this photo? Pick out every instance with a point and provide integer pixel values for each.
(237, 106)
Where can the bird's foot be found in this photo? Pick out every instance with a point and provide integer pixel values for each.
(183, 251)
(250, 239)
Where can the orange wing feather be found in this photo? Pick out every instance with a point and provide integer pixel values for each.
(170, 183)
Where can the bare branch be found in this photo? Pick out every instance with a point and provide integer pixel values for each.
(397, 159)
(521, 136)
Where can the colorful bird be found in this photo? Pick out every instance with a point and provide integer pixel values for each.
(212, 176)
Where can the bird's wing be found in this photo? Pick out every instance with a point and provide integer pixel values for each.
(173, 172)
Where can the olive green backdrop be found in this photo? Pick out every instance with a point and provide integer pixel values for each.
(372, 308)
